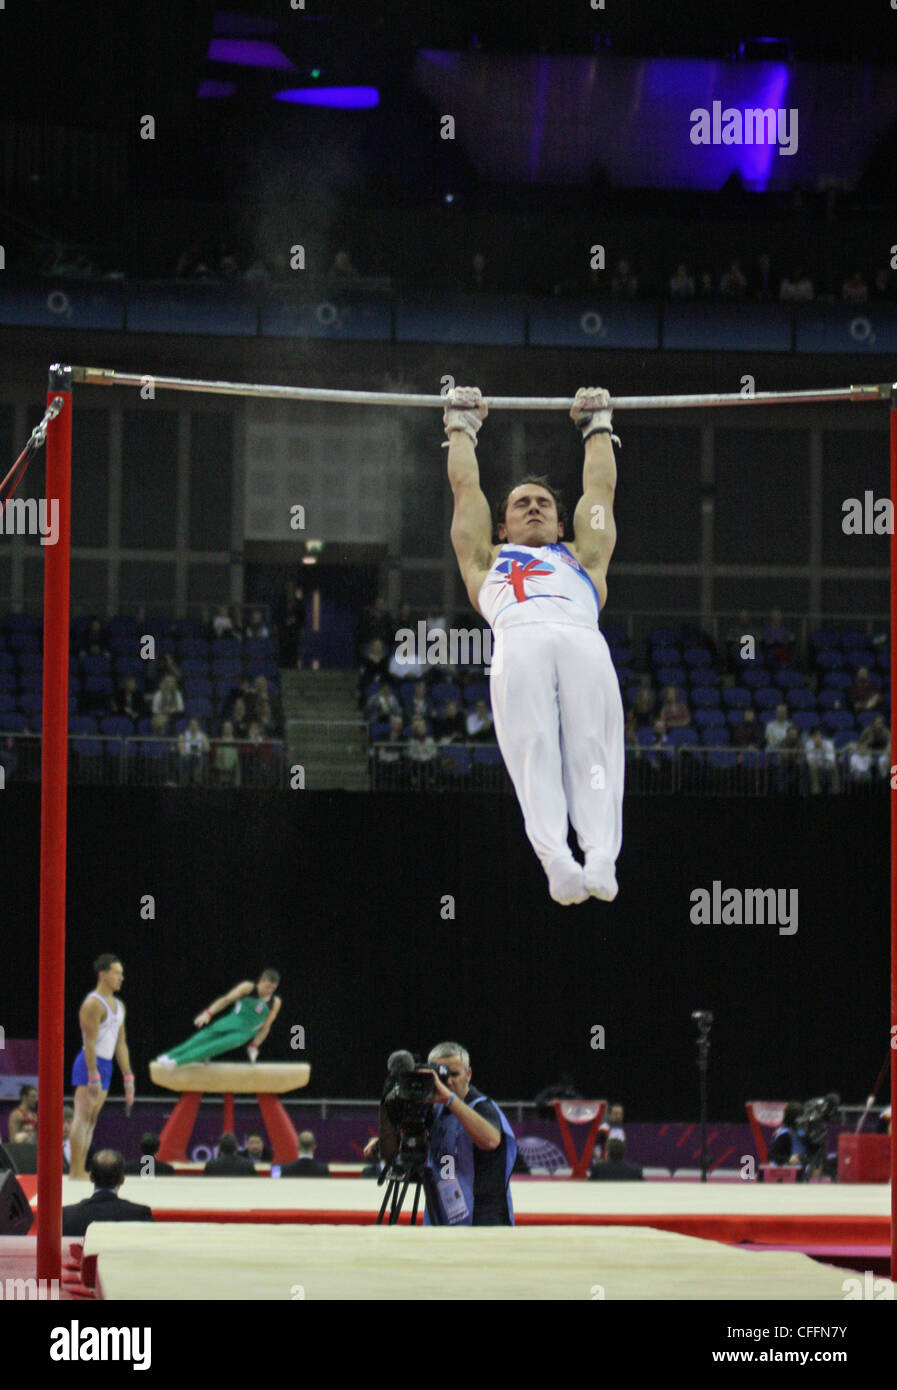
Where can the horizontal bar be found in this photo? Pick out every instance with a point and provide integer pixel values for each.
(101, 376)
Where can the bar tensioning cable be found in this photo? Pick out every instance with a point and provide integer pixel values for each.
(102, 376)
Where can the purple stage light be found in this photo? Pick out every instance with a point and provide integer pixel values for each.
(340, 98)
(249, 53)
(211, 89)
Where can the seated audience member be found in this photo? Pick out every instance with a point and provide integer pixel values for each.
(764, 279)
(9, 757)
(383, 703)
(421, 746)
(193, 751)
(748, 734)
(226, 757)
(875, 743)
(674, 711)
(777, 728)
(610, 1128)
(863, 694)
(822, 763)
(787, 761)
(786, 1147)
(614, 1168)
(241, 691)
(163, 666)
(374, 665)
(259, 758)
(643, 707)
(449, 724)
(23, 1119)
(129, 702)
(705, 286)
(264, 717)
(733, 282)
(306, 1165)
(682, 285)
(778, 639)
(229, 1163)
(256, 1149)
(107, 1173)
(222, 625)
(257, 628)
(420, 701)
(796, 288)
(148, 1165)
(855, 290)
(882, 285)
(623, 285)
(261, 690)
(479, 725)
(159, 726)
(94, 641)
(392, 748)
(240, 720)
(742, 640)
(167, 699)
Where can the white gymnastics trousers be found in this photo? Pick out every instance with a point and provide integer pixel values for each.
(559, 722)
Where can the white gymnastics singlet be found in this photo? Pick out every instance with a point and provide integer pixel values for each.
(538, 584)
(107, 1034)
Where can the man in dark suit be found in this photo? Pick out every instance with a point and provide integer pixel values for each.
(107, 1172)
(614, 1167)
(147, 1165)
(306, 1165)
(229, 1163)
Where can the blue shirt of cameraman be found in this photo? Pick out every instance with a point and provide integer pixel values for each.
(474, 1189)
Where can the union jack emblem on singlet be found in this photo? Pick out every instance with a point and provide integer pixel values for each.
(517, 569)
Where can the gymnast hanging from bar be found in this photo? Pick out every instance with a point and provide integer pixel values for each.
(555, 695)
(255, 1007)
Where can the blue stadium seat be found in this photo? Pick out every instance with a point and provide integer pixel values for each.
(7, 662)
(704, 676)
(754, 676)
(672, 675)
(97, 665)
(459, 756)
(197, 647)
(30, 704)
(477, 690)
(843, 738)
(683, 738)
(829, 660)
(767, 697)
(24, 642)
(662, 637)
(443, 691)
(31, 681)
(83, 724)
(704, 697)
(798, 698)
(864, 718)
(824, 637)
(837, 680)
(831, 699)
(804, 720)
(488, 756)
(7, 704)
(665, 656)
(645, 737)
(713, 738)
(788, 678)
(709, 719)
(723, 760)
(198, 709)
(198, 688)
(34, 661)
(13, 723)
(697, 656)
(8, 682)
(117, 726)
(225, 669)
(736, 697)
(194, 666)
(837, 719)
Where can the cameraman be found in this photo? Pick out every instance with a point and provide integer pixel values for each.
(787, 1147)
(473, 1188)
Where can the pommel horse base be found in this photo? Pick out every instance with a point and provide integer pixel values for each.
(266, 1080)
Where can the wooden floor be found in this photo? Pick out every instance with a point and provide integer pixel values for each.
(211, 1261)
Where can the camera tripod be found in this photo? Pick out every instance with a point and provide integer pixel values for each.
(399, 1175)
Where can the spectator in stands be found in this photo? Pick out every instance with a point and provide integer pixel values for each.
(861, 761)
(623, 285)
(289, 619)
(259, 758)
(786, 1147)
(706, 288)
(610, 1128)
(733, 282)
(742, 640)
(262, 692)
(777, 728)
(882, 285)
(222, 626)
(420, 701)
(23, 1119)
(264, 717)
(390, 754)
(148, 1165)
(449, 724)
(764, 279)
(855, 290)
(228, 1162)
(9, 757)
(796, 288)
(256, 1149)
(643, 706)
(225, 758)
(164, 665)
(257, 628)
(107, 1172)
(168, 699)
(159, 724)
(877, 738)
(241, 691)
(382, 703)
(822, 763)
(748, 733)
(778, 639)
(682, 284)
(193, 752)
(129, 702)
(342, 272)
(615, 1168)
(240, 720)
(480, 727)
(787, 763)
(306, 1165)
(95, 642)
(421, 746)
(863, 694)
(374, 665)
(674, 711)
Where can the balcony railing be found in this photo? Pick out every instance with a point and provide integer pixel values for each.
(149, 762)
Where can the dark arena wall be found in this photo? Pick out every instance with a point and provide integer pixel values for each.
(400, 920)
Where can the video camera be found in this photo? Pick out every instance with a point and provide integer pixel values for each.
(813, 1126)
(406, 1108)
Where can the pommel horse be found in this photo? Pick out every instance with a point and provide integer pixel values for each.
(265, 1080)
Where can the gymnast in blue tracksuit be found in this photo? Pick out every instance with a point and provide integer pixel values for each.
(472, 1149)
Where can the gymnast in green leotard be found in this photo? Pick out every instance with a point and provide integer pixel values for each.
(255, 1007)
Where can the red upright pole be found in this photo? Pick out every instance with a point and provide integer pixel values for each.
(54, 779)
(893, 844)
